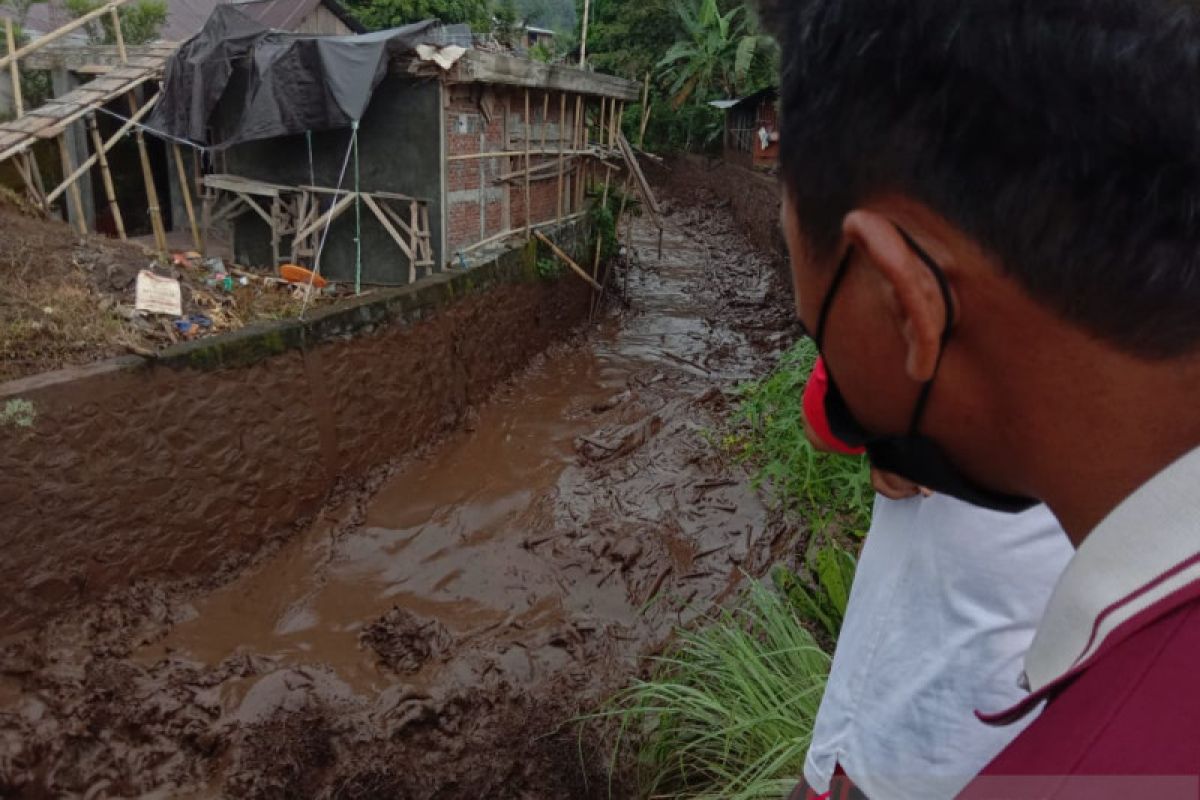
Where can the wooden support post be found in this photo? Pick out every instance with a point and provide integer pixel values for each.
(119, 36)
(186, 190)
(156, 220)
(645, 113)
(616, 130)
(566, 259)
(528, 136)
(76, 196)
(562, 146)
(14, 68)
(110, 192)
(545, 118)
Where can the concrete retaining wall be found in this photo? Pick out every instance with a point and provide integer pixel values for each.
(127, 470)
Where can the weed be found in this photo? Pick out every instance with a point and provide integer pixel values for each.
(767, 433)
(549, 269)
(18, 413)
(729, 711)
(824, 602)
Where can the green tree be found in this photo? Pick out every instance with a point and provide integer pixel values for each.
(140, 21)
(378, 14)
(715, 54)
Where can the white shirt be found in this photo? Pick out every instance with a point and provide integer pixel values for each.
(945, 603)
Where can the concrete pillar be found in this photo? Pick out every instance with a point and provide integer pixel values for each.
(62, 81)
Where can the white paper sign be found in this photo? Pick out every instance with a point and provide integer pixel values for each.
(158, 295)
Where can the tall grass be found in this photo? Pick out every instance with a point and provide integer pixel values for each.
(729, 710)
(767, 433)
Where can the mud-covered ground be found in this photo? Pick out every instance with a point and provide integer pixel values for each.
(431, 634)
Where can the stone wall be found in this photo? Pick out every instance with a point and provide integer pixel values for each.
(129, 470)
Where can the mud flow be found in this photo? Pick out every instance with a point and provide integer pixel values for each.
(431, 632)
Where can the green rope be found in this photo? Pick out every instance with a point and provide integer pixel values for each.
(357, 215)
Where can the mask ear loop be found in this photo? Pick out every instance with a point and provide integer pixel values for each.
(948, 301)
(827, 303)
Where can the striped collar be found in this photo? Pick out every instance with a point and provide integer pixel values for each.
(1139, 563)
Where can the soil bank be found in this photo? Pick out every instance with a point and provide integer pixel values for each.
(430, 632)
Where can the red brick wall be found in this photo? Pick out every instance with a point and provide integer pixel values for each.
(503, 202)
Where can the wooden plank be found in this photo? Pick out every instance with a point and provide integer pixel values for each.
(333, 213)
(370, 203)
(566, 259)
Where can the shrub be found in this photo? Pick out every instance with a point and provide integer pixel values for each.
(729, 710)
(767, 433)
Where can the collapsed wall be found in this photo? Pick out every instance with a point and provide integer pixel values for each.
(129, 470)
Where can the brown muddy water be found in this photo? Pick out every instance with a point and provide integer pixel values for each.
(432, 631)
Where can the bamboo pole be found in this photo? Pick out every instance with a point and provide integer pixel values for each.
(109, 145)
(616, 128)
(186, 190)
(578, 171)
(61, 32)
(76, 196)
(587, 9)
(601, 130)
(645, 112)
(566, 259)
(120, 37)
(156, 222)
(562, 146)
(513, 154)
(14, 68)
(110, 192)
(528, 136)
(545, 118)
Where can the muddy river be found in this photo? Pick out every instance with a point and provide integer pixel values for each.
(433, 631)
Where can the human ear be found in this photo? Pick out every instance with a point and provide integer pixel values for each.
(911, 292)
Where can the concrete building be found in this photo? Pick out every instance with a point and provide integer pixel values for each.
(455, 139)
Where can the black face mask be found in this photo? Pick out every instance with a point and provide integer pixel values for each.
(912, 456)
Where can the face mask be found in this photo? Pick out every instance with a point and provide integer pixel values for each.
(912, 456)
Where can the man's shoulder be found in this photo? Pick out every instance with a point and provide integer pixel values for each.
(1135, 712)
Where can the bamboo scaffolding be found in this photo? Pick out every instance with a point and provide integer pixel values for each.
(562, 146)
(63, 31)
(545, 118)
(108, 145)
(110, 192)
(186, 190)
(156, 221)
(515, 154)
(566, 259)
(528, 137)
(14, 68)
(645, 112)
(64, 155)
(577, 173)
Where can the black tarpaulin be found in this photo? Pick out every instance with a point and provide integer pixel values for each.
(295, 82)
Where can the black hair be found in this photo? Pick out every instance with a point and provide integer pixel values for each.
(1062, 135)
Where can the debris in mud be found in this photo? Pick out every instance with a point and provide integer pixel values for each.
(404, 643)
(496, 587)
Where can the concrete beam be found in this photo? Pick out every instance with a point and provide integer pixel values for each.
(496, 68)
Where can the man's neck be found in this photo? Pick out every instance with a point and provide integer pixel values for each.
(1104, 430)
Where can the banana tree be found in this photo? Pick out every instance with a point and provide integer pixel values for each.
(715, 55)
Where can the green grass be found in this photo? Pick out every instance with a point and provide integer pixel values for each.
(729, 710)
(767, 433)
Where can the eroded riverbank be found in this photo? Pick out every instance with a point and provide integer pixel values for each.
(429, 632)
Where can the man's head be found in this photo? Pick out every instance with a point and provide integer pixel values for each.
(1046, 155)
